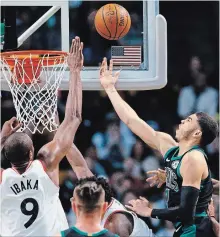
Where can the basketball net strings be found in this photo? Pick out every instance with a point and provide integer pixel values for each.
(35, 103)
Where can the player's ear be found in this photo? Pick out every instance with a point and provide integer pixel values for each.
(74, 206)
(104, 207)
(31, 153)
(197, 133)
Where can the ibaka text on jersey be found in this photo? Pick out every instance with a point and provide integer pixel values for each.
(24, 185)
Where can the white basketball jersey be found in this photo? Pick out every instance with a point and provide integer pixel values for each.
(140, 228)
(30, 204)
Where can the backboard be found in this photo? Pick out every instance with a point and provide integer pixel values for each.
(74, 18)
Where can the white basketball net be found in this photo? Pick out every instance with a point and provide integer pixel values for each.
(35, 103)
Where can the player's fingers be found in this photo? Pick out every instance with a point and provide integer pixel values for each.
(81, 46)
(130, 207)
(12, 120)
(152, 172)
(162, 171)
(132, 202)
(159, 185)
(151, 178)
(18, 126)
(153, 183)
(117, 75)
(72, 45)
(75, 46)
(101, 71)
(111, 66)
(78, 47)
(105, 64)
(81, 49)
(143, 199)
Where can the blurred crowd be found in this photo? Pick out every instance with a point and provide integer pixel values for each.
(109, 147)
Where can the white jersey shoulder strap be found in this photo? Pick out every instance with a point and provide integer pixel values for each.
(114, 207)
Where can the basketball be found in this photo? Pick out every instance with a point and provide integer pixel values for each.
(112, 21)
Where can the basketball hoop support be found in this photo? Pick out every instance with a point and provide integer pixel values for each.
(56, 5)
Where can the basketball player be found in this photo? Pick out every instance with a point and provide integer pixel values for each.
(88, 203)
(159, 178)
(30, 204)
(188, 182)
(116, 218)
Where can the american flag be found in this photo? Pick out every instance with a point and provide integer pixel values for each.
(126, 55)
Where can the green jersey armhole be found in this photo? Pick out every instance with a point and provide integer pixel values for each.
(178, 170)
(169, 151)
(193, 148)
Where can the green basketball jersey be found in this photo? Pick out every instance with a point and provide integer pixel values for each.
(174, 181)
(75, 232)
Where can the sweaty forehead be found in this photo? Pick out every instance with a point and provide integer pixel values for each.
(193, 117)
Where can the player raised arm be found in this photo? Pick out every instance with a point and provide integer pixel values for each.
(54, 151)
(78, 163)
(157, 140)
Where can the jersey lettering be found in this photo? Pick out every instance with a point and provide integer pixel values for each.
(171, 180)
(29, 184)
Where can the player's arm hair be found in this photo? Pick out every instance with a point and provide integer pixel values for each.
(78, 163)
(157, 140)
(215, 226)
(54, 151)
(191, 170)
(119, 224)
(216, 184)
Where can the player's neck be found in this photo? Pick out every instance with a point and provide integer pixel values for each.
(185, 145)
(89, 223)
(21, 168)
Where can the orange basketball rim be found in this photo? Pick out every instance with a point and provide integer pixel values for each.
(26, 65)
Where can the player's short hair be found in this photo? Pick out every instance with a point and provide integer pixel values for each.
(103, 182)
(209, 128)
(89, 194)
(17, 148)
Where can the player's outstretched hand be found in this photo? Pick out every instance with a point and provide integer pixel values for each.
(158, 178)
(75, 58)
(140, 206)
(10, 127)
(106, 76)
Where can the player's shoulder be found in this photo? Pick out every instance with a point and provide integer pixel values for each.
(195, 157)
(39, 164)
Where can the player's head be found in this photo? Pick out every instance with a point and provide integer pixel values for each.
(18, 149)
(199, 128)
(105, 185)
(89, 198)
